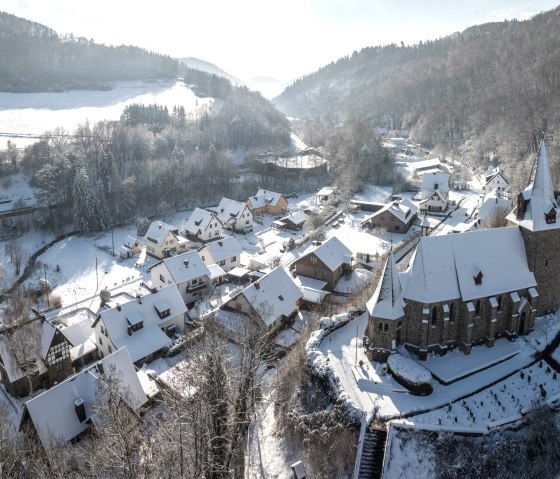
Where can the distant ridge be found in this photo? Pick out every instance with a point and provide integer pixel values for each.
(204, 66)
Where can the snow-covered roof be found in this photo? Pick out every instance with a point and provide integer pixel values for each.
(425, 164)
(297, 217)
(442, 266)
(82, 337)
(540, 195)
(54, 412)
(185, 267)
(216, 271)
(157, 232)
(228, 209)
(263, 198)
(387, 300)
(333, 253)
(326, 191)
(150, 338)
(403, 210)
(238, 271)
(199, 220)
(493, 173)
(273, 295)
(435, 181)
(222, 249)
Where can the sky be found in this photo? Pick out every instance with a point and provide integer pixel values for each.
(280, 39)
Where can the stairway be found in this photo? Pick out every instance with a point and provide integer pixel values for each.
(373, 451)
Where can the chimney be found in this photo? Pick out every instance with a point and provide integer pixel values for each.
(186, 263)
(129, 330)
(257, 285)
(159, 226)
(220, 242)
(80, 408)
(118, 307)
(100, 369)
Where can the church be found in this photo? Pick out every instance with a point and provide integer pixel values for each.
(465, 289)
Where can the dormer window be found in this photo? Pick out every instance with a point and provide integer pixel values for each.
(550, 217)
(478, 278)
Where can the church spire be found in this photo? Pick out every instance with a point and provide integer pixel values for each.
(536, 206)
(387, 301)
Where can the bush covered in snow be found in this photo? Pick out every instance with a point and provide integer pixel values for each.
(410, 374)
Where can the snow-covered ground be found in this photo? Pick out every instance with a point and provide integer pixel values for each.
(16, 187)
(38, 112)
(368, 386)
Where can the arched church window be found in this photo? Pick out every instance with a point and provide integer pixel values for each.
(380, 326)
(477, 308)
(451, 311)
(386, 327)
(500, 302)
(434, 315)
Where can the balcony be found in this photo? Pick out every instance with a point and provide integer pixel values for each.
(196, 287)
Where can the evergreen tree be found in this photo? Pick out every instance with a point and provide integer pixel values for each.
(103, 212)
(84, 201)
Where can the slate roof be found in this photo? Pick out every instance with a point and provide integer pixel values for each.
(53, 412)
(540, 194)
(199, 220)
(223, 248)
(273, 295)
(157, 232)
(264, 198)
(186, 266)
(229, 209)
(442, 267)
(333, 253)
(387, 301)
(150, 338)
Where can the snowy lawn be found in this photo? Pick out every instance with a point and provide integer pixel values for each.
(16, 187)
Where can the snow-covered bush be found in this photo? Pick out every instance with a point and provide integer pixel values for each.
(410, 374)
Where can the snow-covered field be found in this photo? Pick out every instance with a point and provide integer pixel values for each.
(16, 188)
(38, 112)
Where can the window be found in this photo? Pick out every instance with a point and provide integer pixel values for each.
(100, 340)
(60, 368)
(203, 258)
(161, 278)
(477, 308)
(313, 260)
(58, 355)
(194, 281)
(233, 259)
(434, 315)
(397, 227)
(380, 326)
(499, 308)
(386, 327)
(451, 311)
(247, 222)
(221, 263)
(110, 349)
(102, 330)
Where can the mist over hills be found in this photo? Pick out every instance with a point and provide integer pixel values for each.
(487, 91)
(202, 65)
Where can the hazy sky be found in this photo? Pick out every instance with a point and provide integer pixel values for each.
(282, 39)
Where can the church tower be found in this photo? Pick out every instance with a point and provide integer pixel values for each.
(536, 214)
(385, 313)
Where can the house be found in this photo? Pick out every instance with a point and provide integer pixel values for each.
(142, 326)
(495, 183)
(325, 194)
(234, 215)
(273, 299)
(328, 262)
(163, 240)
(435, 192)
(395, 217)
(82, 337)
(293, 221)
(130, 247)
(267, 202)
(67, 410)
(494, 209)
(471, 288)
(204, 225)
(33, 354)
(224, 252)
(187, 271)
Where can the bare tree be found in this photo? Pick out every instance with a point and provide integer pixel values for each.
(15, 253)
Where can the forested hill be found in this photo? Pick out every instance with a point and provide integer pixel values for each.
(496, 84)
(35, 58)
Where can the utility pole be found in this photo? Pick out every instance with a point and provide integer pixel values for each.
(356, 359)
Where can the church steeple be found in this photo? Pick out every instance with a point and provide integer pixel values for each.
(536, 206)
(387, 301)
